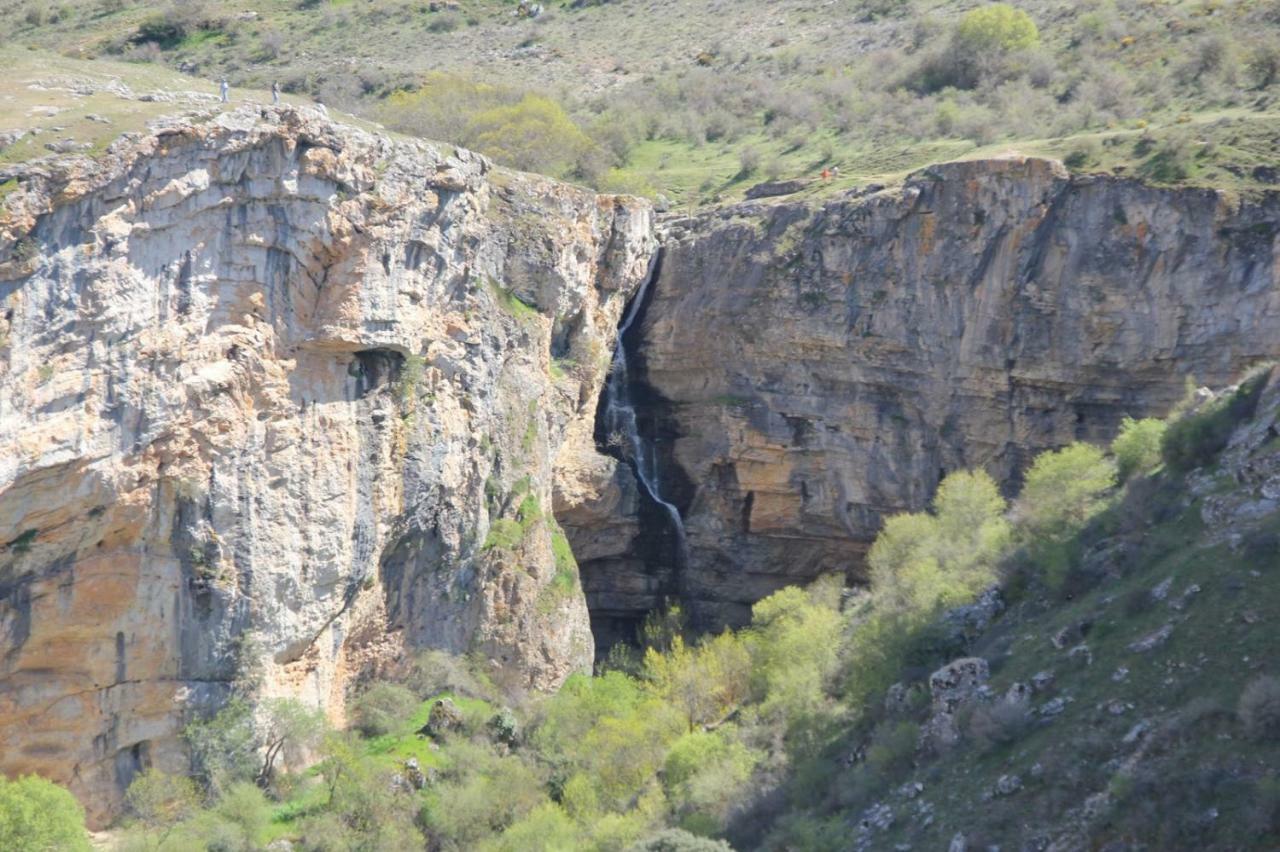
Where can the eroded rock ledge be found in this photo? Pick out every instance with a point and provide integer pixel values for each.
(275, 383)
(812, 368)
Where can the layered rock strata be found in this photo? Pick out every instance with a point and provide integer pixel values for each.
(810, 368)
(274, 386)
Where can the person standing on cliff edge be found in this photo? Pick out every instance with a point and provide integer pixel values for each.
(275, 93)
(225, 89)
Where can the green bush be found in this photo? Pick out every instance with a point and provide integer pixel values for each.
(160, 800)
(223, 747)
(383, 708)
(1063, 490)
(679, 840)
(534, 134)
(162, 30)
(893, 746)
(1195, 439)
(39, 816)
(1137, 447)
(995, 28)
(504, 534)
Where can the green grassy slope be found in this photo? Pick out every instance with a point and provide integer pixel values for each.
(698, 101)
(1146, 736)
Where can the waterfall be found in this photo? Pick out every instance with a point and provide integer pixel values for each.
(622, 428)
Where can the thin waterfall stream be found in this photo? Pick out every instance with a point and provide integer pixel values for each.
(622, 426)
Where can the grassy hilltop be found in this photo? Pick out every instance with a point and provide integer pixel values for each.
(697, 101)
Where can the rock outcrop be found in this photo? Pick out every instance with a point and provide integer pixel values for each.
(809, 369)
(279, 387)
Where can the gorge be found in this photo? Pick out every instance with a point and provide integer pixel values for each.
(275, 385)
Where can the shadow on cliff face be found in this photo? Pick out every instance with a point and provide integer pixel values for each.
(660, 547)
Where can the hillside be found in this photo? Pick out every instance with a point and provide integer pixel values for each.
(640, 425)
(696, 102)
(1115, 688)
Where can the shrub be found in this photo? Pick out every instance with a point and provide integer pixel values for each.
(998, 723)
(534, 134)
(159, 800)
(164, 31)
(1195, 439)
(383, 708)
(546, 827)
(434, 672)
(980, 46)
(1263, 65)
(245, 811)
(38, 815)
(444, 22)
(1137, 447)
(996, 28)
(893, 746)
(1259, 708)
(1063, 490)
(679, 840)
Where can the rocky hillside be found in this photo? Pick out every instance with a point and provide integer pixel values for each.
(1137, 707)
(283, 400)
(280, 395)
(808, 370)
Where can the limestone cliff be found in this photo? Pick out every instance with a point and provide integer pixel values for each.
(811, 368)
(273, 385)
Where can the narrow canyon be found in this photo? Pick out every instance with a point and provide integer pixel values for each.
(279, 391)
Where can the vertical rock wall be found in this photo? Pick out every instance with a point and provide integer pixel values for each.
(812, 368)
(273, 386)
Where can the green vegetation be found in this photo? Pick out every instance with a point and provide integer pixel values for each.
(512, 303)
(1137, 447)
(1119, 604)
(1194, 440)
(37, 815)
(504, 534)
(1182, 91)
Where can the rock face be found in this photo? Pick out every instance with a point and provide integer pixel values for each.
(277, 387)
(809, 369)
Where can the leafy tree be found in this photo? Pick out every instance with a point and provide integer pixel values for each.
(534, 134)
(160, 801)
(361, 813)
(704, 775)
(794, 642)
(920, 562)
(980, 47)
(547, 828)
(1063, 490)
(484, 795)
(288, 727)
(37, 815)
(1137, 447)
(996, 28)
(705, 682)
(223, 747)
(383, 708)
